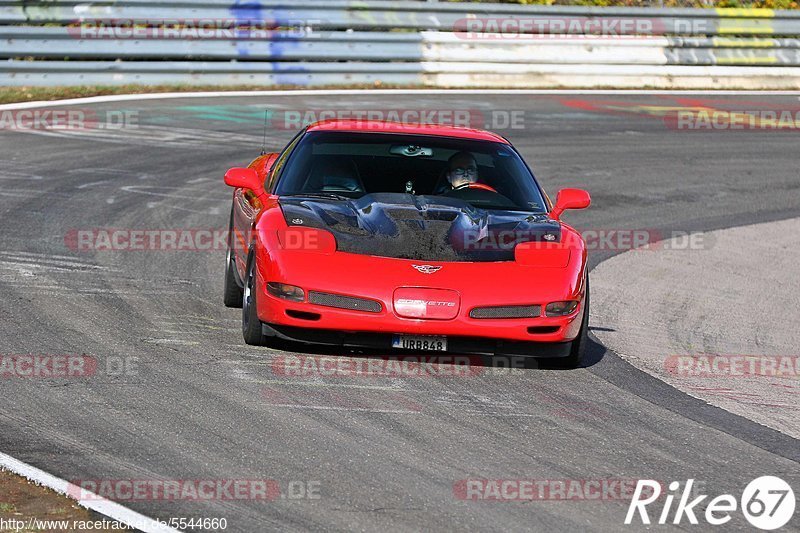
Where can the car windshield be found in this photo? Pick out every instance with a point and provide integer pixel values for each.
(345, 165)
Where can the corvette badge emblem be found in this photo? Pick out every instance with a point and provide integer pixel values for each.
(427, 269)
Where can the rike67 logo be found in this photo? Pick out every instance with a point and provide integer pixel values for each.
(767, 503)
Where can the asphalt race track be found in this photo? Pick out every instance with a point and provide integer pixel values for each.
(663, 314)
(375, 453)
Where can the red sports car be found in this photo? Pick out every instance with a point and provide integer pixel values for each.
(409, 237)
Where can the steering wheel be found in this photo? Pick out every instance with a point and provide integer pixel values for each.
(481, 186)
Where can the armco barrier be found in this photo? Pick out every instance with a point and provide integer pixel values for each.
(382, 15)
(438, 44)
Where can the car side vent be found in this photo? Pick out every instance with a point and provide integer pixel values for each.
(344, 302)
(508, 311)
(543, 330)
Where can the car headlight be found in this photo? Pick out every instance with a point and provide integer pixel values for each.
(561, 308)
(286, 292)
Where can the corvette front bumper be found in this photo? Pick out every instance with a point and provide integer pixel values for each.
(309, 322)
(455, 344)
(395, 283)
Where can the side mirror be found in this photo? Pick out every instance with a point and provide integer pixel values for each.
(570, 199)
(245, 178)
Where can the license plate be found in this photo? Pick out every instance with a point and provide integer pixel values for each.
(436, 343)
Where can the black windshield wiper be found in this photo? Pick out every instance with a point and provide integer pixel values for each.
(330, 195)
(496, 207)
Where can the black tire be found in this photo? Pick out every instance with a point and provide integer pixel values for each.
(233, 292)
(252, 329)
(578, 348)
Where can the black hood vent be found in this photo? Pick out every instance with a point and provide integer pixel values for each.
(423, 228)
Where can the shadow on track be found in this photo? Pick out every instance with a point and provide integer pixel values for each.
(594, 354)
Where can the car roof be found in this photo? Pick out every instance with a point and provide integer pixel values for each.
(384, 126)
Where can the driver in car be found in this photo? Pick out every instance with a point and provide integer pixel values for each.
(462, 169)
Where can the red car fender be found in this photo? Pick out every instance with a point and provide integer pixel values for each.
(265, 241)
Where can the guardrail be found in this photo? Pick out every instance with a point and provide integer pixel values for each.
(332, 42)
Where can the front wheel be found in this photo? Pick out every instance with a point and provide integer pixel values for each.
(233, 292)
(251, 325)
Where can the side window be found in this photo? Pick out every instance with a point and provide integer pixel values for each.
(278, 166)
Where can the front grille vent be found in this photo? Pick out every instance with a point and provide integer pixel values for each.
(344, 302)
(508, 311)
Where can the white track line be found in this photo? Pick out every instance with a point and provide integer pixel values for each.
(351, 92)
(97, 504)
